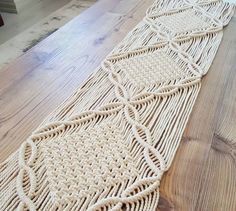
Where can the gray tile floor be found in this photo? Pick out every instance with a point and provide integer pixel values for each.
(17, 36)
(33, 12)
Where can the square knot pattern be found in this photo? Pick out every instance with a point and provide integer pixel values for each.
(150, 69)
(183, 21)
(82, 164)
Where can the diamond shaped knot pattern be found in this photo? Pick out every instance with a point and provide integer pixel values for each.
(152, 68)
(82, 164)
(107, 146)
(184, 21)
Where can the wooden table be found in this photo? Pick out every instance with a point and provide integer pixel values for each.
(203, 174)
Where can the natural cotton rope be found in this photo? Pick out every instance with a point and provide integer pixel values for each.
(108, 145)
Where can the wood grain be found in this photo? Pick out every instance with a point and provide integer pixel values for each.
(203, 174)
(36, 83)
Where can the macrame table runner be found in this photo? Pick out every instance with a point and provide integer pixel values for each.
(109, 144)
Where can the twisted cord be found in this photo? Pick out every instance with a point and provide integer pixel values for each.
(126, 103)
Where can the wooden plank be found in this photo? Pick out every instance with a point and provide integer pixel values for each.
(218, 189)
(203, 174)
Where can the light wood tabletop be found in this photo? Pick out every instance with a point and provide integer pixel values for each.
(203, 173)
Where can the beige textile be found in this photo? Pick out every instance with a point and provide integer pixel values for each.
(108, 145)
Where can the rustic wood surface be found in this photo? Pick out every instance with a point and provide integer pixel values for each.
(203, 174)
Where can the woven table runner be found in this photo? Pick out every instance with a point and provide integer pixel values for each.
(108, 145)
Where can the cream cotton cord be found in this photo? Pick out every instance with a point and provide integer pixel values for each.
(108, 145)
